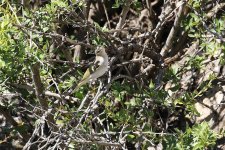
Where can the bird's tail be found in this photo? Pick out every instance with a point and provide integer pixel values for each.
(82, 82)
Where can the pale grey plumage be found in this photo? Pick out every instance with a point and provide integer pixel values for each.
(102, 62)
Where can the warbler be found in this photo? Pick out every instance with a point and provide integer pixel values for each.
(98, 69)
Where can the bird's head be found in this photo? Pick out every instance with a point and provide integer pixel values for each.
(100, 51)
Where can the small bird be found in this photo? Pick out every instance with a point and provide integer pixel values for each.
(97, 70)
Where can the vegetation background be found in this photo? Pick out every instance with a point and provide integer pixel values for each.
(164, 89)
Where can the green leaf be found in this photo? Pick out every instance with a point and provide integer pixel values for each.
(60, 122)
(59, 3)
(2, 63)
(130, 136)
(133, 102)
(45, 29)
(151, 85)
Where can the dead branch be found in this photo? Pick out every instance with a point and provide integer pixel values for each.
(173, 31)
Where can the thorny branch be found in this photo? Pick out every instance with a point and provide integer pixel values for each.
(130, 48)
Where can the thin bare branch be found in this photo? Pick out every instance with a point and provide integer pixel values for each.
(123, 15)
(173, 31)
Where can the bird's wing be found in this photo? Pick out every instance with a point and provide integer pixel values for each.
(91, 69)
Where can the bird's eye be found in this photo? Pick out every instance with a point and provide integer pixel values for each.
(98, 51)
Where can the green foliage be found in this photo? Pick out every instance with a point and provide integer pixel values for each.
(27, 36)
(196, 138)
(120, 3)
(12, 47)
(198, 28)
